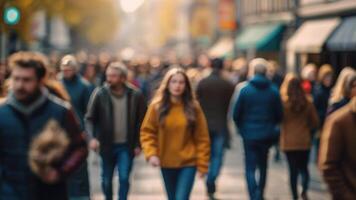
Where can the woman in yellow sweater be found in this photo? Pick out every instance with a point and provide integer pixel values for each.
(174, 135)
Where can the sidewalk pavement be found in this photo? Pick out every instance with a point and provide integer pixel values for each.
(147, 182)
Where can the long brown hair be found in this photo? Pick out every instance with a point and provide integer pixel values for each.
(162, 98)
(293, 94)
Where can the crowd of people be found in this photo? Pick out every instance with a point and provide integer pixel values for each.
(177, 112)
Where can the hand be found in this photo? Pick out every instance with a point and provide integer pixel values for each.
(201, 175)
(137, 151)
(94, 144)
(154, 161)
(50, 176)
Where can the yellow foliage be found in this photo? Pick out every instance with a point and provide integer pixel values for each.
(168, 19)
(97, 20)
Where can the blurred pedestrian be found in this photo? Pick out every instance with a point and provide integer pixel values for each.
(257, 110)
(174, 135)
(337, 160)
(342, 91)
(113, 121)
(322, 91)
(239, 71)
(321, 95)
(28, 108)
(79, 91)
(276, 76)
(300, 118)
(308, 75)
(274, 73)
(214, 94)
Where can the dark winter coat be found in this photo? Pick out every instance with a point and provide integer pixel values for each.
(337, 157)
(321, 95)
(18, 125)
(79, 91)
(257, 109)
(214, 94)
(99, 118)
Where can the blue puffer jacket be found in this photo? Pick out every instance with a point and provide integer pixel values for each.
(257, 109)
(18, 126)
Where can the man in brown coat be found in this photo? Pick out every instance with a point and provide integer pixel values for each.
(338, 153)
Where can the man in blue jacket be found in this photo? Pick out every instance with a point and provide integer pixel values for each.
(79, 91)
(24, 114)
(257, 111)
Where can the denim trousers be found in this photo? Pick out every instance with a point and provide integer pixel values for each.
(217, 149)
(256, 156)
(178, 182)
(123, 160)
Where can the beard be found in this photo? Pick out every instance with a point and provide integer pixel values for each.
(26, 97)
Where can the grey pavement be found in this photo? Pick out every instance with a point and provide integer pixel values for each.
(147, 183)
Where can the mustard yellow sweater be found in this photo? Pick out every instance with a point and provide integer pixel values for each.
(173, 143)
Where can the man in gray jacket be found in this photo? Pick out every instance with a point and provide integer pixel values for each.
(113, 121)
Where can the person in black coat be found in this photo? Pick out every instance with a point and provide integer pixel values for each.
(214, 94)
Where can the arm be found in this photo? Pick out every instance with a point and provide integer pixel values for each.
(278, 108)
(77, 151)
(91, 115)
(141, 110)
(331, 157)
(149, 133)
(236, 105)
(202, 141)
(313, 117)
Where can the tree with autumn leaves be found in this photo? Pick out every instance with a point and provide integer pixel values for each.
(95, 20)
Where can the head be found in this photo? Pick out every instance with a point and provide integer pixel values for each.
(349, 90)
(272, 68)
(292, 93)
(69, 66)
(338, 90)
(240, 67)
(175, 84)
(203, 61)
(325, 75)
(28, 70)
(258, 66)
(309, 72)
(217, 64)
(116, 74)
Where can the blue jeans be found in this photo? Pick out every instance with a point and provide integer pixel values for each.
(121, 158)
(256, 154)
(178, 182)
(217, 141)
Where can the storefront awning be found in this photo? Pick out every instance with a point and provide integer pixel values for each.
(311, 36)
(222, 48)
(344, 37)
(262, 37)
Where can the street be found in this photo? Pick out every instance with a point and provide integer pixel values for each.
(147, 183)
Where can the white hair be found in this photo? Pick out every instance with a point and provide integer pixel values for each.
(69, 61)
(258, 66)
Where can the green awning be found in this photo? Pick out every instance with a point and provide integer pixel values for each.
(261, 37)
